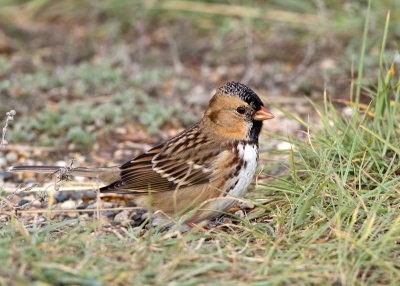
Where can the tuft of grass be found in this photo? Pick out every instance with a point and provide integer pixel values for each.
(341, 189)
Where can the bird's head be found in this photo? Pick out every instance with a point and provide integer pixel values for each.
(236, 112)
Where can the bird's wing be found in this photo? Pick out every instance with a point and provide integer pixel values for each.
(185, 160)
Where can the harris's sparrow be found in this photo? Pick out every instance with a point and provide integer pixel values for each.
(206, 165)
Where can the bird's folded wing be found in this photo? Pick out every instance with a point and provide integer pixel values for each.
(167, 167)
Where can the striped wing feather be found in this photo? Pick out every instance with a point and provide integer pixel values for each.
(184, 160)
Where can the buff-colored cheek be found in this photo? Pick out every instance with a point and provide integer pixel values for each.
(233, 127)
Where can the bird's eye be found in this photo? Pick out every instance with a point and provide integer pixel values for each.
(241, 109)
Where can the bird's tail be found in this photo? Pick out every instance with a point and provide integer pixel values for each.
(105, 174)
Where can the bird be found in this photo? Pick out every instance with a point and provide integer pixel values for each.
(201, 171)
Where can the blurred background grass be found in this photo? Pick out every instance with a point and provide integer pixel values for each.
(95, 65)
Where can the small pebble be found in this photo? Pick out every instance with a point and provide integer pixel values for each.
(76, 196)
(36, 204)
(145, 216)
(89, 195)
(82, 206)
(72, 214)
(3, 162)
(91, 206)
(5, 175)
(239, 213)
(122, 217)
(137, 216)
(107, 205)
(62, 197)
(22, 202)
(104, 205)
(44, 205)
(67, 205)
(160, 219)
(108, 213)
(11, 157)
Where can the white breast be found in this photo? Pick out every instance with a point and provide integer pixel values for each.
(237, 186)
(249, 153)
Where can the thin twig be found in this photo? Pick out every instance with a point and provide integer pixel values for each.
(79, 211)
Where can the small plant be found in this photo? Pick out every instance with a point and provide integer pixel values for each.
(10, 116)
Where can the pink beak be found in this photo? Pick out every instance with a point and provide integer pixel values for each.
(263, 114)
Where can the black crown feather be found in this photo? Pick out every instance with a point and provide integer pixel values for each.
(244, 92)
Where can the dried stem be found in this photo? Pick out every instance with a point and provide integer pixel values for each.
(10, 117)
